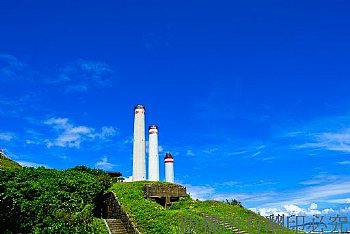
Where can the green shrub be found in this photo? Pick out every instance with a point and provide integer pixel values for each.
(50, 201)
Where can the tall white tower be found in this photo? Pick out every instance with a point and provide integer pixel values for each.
(169, 168)
(153, 157)
(139, 150)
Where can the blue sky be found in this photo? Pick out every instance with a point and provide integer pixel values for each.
(251, 97)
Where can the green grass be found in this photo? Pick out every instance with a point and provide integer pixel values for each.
(6, 163)
(149, 216)
(99, 226)
(152, 218)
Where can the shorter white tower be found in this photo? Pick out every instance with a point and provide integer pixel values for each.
(169, 168)
(153, 157)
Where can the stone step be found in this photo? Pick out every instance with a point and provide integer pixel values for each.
(116, 226)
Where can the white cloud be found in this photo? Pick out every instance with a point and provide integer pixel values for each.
(313, 206)
(72, 136)
(340, 201)
(292, 209)
(33, 142)
(205, 192)
(345, 210)
(228, 184)
(320, 179)
(308, 195)
(200, 192)
(333, 141)
(128, 141)
(6, 136)
(190, 153)
(79, 76)
(31, 164)
(83, 75)
(269, 158)
(64, 157)
(210, 150)
(11, 69)
(269, 211)
(322, 189)
(261, 147)
(104, 164)
(344, 162)
(255, 154)
(239, 152)
(243, 197)
(58, 122)
(106, 132)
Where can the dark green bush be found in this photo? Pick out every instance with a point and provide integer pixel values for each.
(50, 201)
(234, 202)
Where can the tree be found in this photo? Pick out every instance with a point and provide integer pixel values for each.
(50, 201)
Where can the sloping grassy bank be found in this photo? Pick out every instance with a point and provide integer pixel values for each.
(152, 218)
(6, 163)
(149, 216)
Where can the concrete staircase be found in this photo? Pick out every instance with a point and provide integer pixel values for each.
(227, 225)
(116, 218)
(116, 226)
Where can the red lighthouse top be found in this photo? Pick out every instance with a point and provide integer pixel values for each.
(139, 107)
(153, 127)
(168, 156)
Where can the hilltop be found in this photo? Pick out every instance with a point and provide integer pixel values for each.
(189, 215)
(6, 163)
(73, 193)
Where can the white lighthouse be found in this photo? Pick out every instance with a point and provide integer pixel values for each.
(169, 168)
(153, 157)
(139, 149)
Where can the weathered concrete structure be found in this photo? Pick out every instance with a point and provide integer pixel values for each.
(164, 194)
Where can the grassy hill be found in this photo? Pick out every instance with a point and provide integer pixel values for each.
(6, 163)
(152, 218)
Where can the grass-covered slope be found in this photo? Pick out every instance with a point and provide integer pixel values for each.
(152, 218)
(149, 216)
(6, 163)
